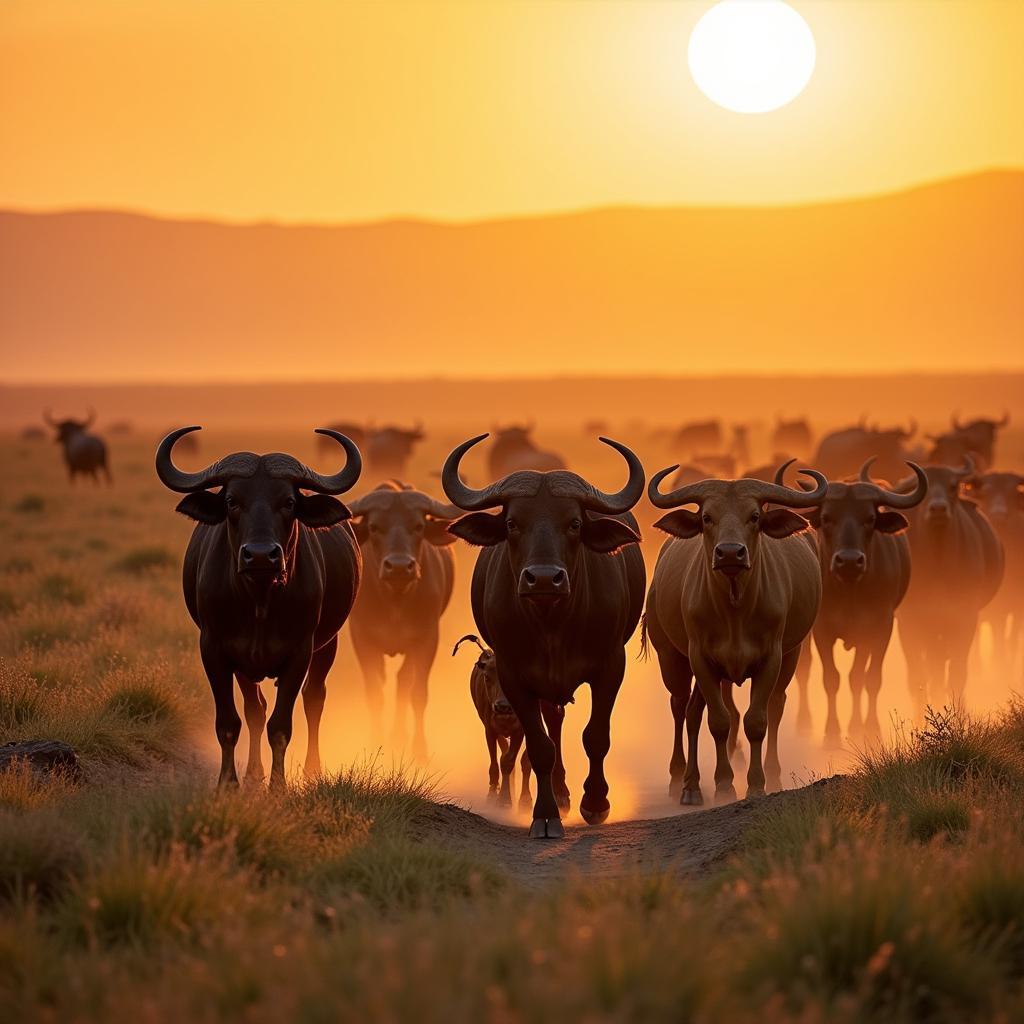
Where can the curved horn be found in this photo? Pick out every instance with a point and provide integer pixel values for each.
(176, 479)
(955, 420)
(442, 509)
(48, 418)
(468, 638)
(688, 494)
(898, 499)
(968, 469)
(90, 418)
(865, 470)
(333, 483)
(463, 496)
(780, 473)
(624, 500)
(789, 498)
(1005, 419)
(912, 429)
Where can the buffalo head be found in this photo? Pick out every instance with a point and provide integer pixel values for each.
(262, 501)
(1001, 495)
(851, 514)
(943, 492)
(731, 515)
(392, 523)
(486, 668)
(68, 429)
(545, 519)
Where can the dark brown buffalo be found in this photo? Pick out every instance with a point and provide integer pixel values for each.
(557, 592)
(958, 566)
(700, 435)
(842, 453)
(270, 576)
(84, 453)
(734, 593)
(792, 436)
(502, 729)
(865, 571)
(1001, 496)
(514, 450)
(976, 439)
(407, 584)
(388, 450)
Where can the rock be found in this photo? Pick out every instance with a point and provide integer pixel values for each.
(44, 757)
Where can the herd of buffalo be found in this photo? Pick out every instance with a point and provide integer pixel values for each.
(755, 568)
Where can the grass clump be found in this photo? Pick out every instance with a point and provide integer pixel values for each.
(145, 560)
(30, 503)
(39, 856)
(61, 589)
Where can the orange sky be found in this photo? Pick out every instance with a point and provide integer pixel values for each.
(322, 110)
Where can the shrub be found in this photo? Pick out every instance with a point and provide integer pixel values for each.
(144, 560)
(30, 503)
(59, 588)
(39, 855)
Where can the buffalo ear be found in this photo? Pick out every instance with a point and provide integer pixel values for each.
(360, 528)
(782, 522)
(319, 511)
(681, 523)
(813, 516)
(204, 507)
(607, 536)
(891, 522)
(436, 532)
(480, 528)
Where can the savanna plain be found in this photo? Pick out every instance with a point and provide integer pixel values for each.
(885, 883)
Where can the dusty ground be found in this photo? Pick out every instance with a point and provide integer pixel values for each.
(690, 845)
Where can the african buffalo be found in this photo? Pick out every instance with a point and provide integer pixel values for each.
(388, 450)
(514, 449)
(697, 436)
(557, 592)
(865, 571)
(792, 435)
(958, 566)
(735, 591)
(407, 584)
(502, 729)
(976, 439)
(270, 576)
(1001, 497)
(84, 453)
(842, 453)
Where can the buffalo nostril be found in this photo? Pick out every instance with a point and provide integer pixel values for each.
(531, 580)
(558, 579)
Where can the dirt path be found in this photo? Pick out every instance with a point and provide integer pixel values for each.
(692, 844)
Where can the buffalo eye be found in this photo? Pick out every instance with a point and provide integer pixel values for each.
(575, 525)
(289, 505)
(512, 525)
(706, 519)
(420, 527)
(232, 502)
(755, 516)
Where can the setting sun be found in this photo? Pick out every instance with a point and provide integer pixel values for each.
(751, 56)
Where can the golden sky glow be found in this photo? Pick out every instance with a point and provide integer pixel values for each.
(332, 110)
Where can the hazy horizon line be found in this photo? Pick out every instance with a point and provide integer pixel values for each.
(638, 376)
(218, 220)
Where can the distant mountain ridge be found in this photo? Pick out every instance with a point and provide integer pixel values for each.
(930, 278)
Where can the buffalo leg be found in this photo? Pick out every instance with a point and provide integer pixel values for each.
(492, 768)
(718, 722)
(960, 639)
(508, 768)
(729, 696)
(547, 823)
(417, 665)
(255, 705)
(371, 664)
(691, 796)
(314, 693)
(279, 726)
(776, 708)
(873, 681)
(554, 716)
(597, 738)
(857, 677)
(525, 798)
(228, 724)
(755, 721)
(678, 680)
(803, 682)
(825, 644)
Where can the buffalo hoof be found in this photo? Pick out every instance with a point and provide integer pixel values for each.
(526, 805)
(692, 798)
(725, 794)
(833, 740)
(753, 792)
(547, 828)
(594, 817)
(492, 795)
(675, 789)
(255, 780)
(504, 800)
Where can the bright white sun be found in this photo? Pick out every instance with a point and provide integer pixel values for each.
(751, 56)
